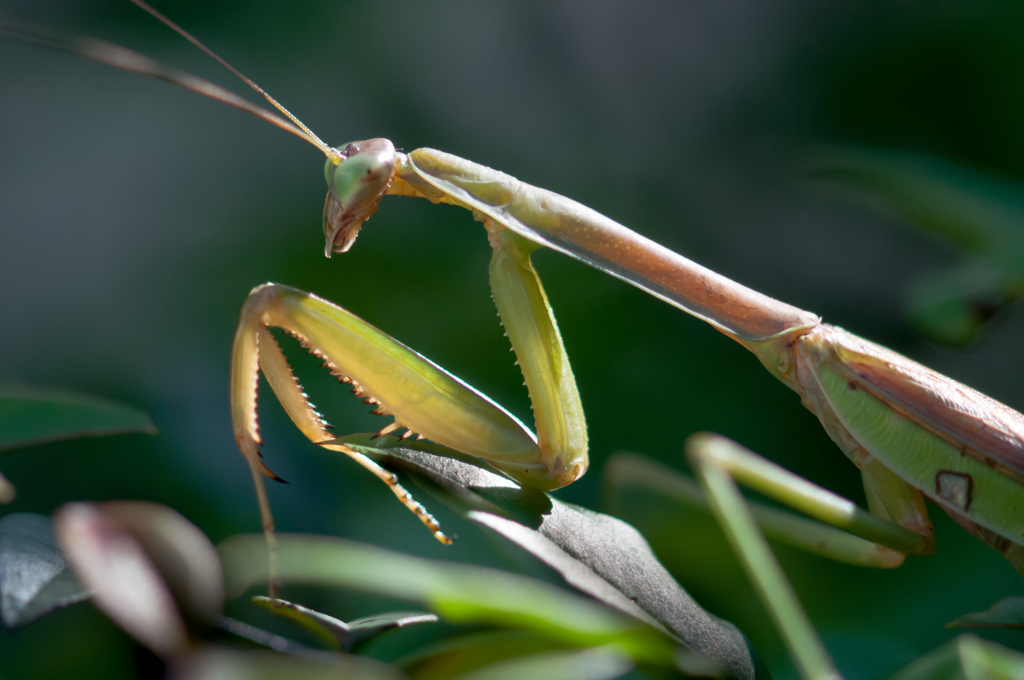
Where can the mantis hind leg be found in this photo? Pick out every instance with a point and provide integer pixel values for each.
(851, 534)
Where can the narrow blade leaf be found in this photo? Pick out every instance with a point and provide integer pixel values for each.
(337, 634)
(1006, 613)
(35, 415)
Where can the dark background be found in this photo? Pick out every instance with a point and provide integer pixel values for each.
(135, 218)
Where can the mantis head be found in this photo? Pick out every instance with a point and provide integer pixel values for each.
(355, 186)
(358, 173)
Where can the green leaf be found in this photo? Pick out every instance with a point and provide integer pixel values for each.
(979, 214)
(458, 592)
(966, 658)
(1006, 613)
(35, 415)
(977, 211)
(456, 656)
(220, 663)
(952, 305)
(337, 634)
(34, 574)
(598, 663)
(596, 553)
(495, 655)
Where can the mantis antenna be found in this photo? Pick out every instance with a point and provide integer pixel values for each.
(128, 60)
(125, 59)
(309, 135)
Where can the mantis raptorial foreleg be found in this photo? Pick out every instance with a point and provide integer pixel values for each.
(425, 399)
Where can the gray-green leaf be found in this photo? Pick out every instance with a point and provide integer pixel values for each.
(34, 574)
(35, 415)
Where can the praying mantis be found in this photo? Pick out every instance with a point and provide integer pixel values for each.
(802, 322)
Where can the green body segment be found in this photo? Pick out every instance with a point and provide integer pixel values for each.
(958, 482)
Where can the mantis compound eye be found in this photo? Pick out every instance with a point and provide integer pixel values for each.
(355, 186)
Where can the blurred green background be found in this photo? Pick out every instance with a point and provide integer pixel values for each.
(135, 218)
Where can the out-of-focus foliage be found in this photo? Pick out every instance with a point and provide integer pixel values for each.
(34, 574)
(158, 578)
(31, 415)
(966, 657)
(1008, 612)
(970, 212)
(337, 634)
